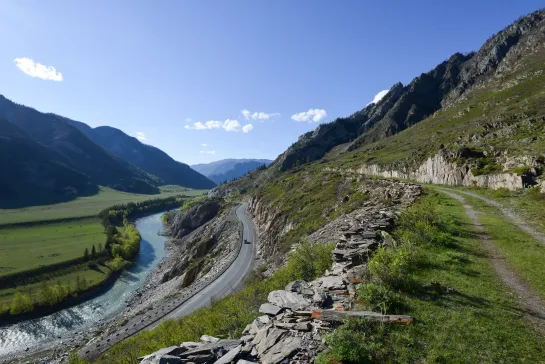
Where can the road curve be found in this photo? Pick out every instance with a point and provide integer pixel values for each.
(228, 281)
(176, 306)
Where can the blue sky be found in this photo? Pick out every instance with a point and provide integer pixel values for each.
(166, 68)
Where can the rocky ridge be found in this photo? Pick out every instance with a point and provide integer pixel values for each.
(449, 83)
(295, 320)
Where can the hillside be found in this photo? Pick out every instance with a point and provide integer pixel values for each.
(35, 172)
(75, 150)
(149, 159)
(509, 64)
(229, 169)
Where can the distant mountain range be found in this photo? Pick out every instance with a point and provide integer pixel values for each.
(49, 153)
(228, 169)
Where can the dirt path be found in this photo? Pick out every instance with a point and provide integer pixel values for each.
(507, 212)
(534, 310)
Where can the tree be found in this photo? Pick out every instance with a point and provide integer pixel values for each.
(86, 254)
(93, 251)
(21, 303)
(100, 248)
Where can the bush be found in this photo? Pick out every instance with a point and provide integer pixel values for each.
(310, 260)
(357, 341)
(422, 224)
(379, 298)
(391, 267)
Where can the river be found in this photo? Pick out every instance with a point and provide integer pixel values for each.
(66, 323)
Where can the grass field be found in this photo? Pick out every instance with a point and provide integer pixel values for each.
(41, 236)
(92, 276)
(85, 206)
(27, 247)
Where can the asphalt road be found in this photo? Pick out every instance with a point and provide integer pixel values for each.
(178, 306)
(228, 281)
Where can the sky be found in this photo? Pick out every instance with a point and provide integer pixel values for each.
(208, 80)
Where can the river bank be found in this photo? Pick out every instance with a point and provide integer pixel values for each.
(48, 339)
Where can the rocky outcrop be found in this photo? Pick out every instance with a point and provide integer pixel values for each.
(195, 254)
(438, 170)
(186, 221)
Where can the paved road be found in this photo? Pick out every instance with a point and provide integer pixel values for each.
(178, 306)
(228, 281)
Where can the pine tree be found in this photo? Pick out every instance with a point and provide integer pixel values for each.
(86, 254)
(93, 251)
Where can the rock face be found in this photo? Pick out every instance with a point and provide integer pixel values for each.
(214, 240)
(186, 222)
(404, 106)
(438, 170)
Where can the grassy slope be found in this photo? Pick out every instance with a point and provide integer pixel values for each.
(475, 320)
(524, 254)
(512, 106)
(85, 206)
(23, 247)
(480, 322)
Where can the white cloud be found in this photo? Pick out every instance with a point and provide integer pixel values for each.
(227, 125)
(379, 97)
(312, 115)
(35, 69)
(141, 136)
(204, 145)
(247, 128)
(246, 114)
(231, 125)
(188, 120)
(207, 152)
(258, 115)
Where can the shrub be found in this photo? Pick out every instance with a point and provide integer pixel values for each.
(309, 261)
(422, 224)
(357, 341)
(379, 298)
(391, 267)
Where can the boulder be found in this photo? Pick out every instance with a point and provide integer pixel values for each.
(282, 350)
(230, 356)
(270, 309)
(266, 339)
(331, 283)
(285, 299)
(296, 286)
(171, 350)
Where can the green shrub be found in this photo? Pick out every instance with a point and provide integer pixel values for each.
(422, 224)
(357, 341)
(521, 171)
(309, 261)
(379, 298)
(391, 267)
